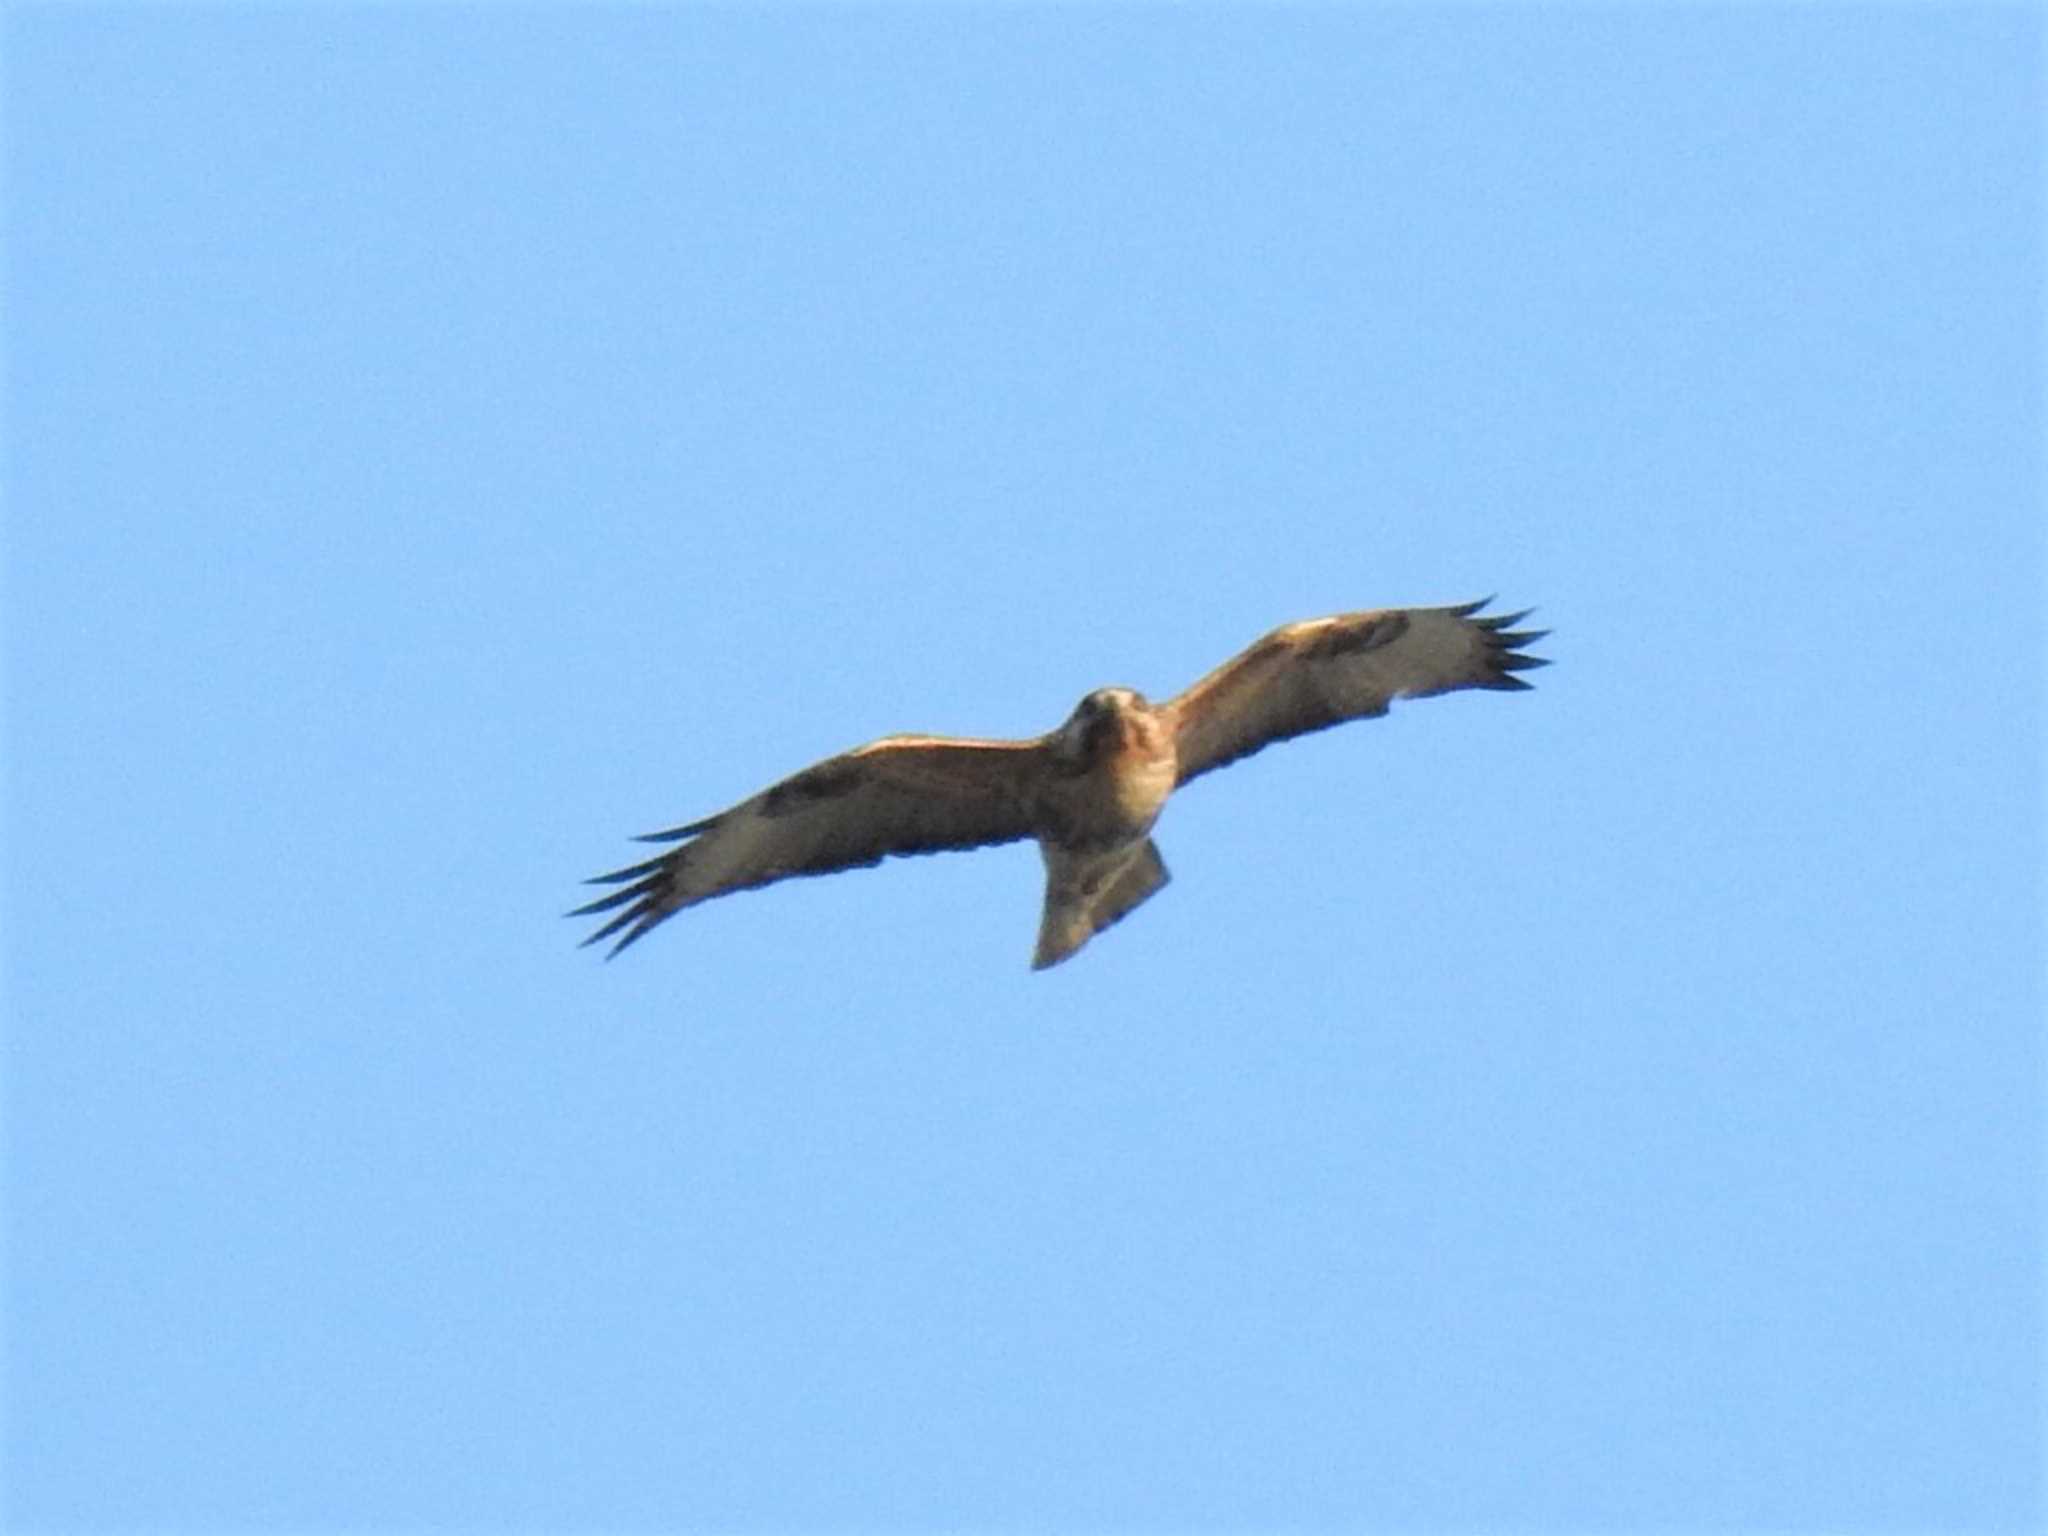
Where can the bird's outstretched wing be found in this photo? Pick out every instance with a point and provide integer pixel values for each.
(902, 794)
(1303, 677)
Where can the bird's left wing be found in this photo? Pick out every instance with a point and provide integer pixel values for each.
(899, 795)
(1303, 677)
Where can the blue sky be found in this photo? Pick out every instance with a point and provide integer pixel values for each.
(441, 442)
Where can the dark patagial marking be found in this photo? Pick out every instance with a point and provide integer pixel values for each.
(1339, 642)
(828, 781)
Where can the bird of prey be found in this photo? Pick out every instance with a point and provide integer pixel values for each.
(1088, 791)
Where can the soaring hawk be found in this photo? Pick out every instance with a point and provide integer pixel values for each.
(1088, 791)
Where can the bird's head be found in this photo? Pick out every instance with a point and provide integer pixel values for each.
(1101, 721)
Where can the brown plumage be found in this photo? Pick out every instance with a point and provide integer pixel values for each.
(1088, 791)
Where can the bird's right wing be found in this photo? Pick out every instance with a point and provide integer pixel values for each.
(899, 795)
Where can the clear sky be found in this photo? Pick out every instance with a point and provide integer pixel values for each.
(443, 441)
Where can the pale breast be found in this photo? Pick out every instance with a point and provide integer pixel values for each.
(1117, 798)
(1138, 778)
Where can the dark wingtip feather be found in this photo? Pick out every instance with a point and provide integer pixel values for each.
(646, 900)
(676, 834)
(631, 914)
(630, 872)
(633, 935)
(606, 903)
(647, 913)
(1504, 643)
